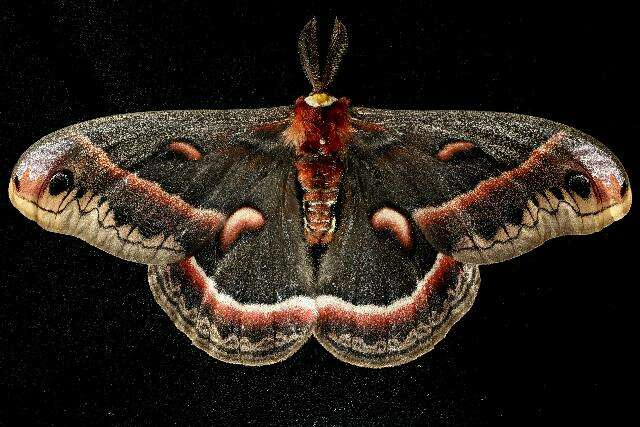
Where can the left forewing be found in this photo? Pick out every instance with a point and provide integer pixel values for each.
(149, 187)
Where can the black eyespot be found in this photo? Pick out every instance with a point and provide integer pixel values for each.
(60, 181)
(579, 184)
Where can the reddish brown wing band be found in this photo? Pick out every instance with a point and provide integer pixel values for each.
(252, 300)
(249, 334)
(377, 336)
(248, 296)
(89, 211)
(126, 185)
(485, 187)
(364, 335)
(384, 295)
(551, 208)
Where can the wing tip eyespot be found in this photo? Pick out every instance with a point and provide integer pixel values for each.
(578, 183)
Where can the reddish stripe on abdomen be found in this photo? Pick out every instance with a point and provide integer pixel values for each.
(319, 179)
(319, 136)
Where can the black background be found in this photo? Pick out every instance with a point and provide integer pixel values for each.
(551, 333)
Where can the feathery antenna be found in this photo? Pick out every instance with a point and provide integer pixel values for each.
(308, 50)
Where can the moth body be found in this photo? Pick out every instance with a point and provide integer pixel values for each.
(319, 133)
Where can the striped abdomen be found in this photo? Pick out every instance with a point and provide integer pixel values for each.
(319, 179)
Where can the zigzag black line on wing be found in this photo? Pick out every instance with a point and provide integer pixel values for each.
(535, 224)
(448, 319)
(101, 223)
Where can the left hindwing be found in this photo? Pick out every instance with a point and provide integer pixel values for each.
(246, 298)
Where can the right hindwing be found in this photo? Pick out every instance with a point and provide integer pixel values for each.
(384, 295)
